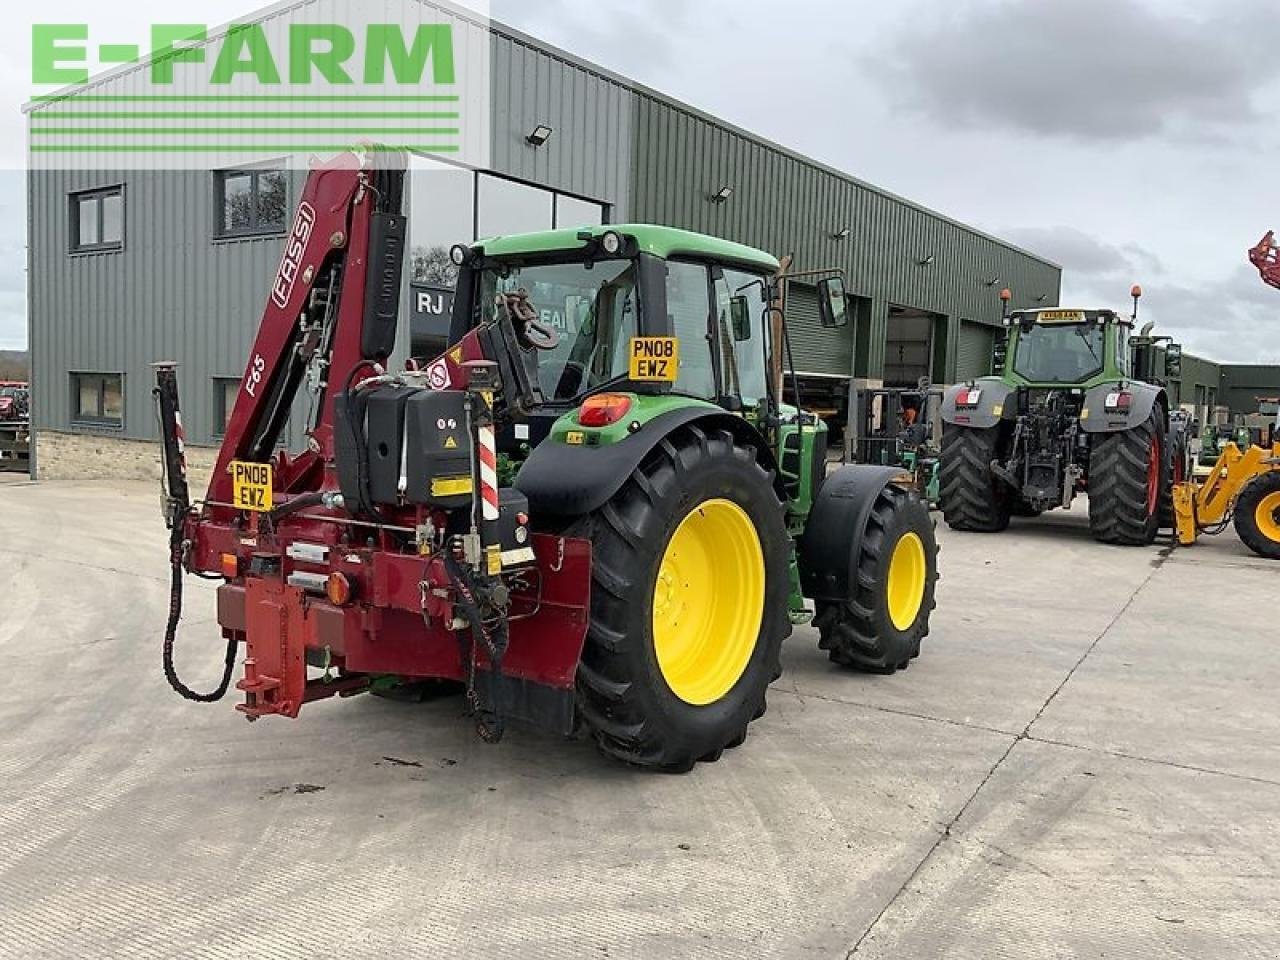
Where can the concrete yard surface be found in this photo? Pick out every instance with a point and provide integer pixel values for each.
(1084, 762)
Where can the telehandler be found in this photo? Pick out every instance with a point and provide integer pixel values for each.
(608, 525)
(1244, 483)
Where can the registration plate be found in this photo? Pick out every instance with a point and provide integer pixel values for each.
(654, 359)
(1061, 316)
(251, 486)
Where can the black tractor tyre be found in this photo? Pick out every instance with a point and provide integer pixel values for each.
(1257, 515)
(861, 632)
(972, 497)
(624, 699)
(1121, 510)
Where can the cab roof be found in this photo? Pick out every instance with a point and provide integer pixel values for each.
(664, 242)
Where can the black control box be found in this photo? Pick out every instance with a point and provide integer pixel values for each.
(437, 449)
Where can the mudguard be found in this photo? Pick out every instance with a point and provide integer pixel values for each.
(991, 409)
(828, 549)
(562, 480)
(1096, 418)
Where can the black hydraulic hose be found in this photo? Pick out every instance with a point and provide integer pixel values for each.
(176, 540)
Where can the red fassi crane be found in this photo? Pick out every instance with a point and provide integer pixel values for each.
(1266, 257)
(311, 578)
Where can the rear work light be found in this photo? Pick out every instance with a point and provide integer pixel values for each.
(1121, 401)
(604, 409)
(968, 398)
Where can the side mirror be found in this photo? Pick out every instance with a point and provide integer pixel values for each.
(1173, 361)
(833, 305)
(740, 318)
(1000, 352)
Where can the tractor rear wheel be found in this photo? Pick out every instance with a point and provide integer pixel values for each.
(972, 497)
(1128, 471)
(879, 630)
(690, 580)
(1258, 515)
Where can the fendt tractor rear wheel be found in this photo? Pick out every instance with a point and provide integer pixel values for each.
(1258, 515)
(1128, 471)
(971, 496)
(880, 627)
(688, 603)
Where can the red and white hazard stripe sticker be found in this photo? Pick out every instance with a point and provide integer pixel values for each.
(488, 474)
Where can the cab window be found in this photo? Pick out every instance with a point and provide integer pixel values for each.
(689, 310)
(740, 300)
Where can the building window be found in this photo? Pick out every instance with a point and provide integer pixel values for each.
(504, 207)
(250, 202)
(97, 220)
(225, 391)
(442, 212)
(98, 398)
(572, 212)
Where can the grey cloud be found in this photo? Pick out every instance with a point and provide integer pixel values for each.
(1229, 320)
(1082, 253)
(1088, 69)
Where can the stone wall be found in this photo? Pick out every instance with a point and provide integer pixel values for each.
(79, 456)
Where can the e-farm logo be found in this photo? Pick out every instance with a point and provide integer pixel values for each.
(260, 87)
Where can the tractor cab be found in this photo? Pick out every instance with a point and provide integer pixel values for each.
(1057, 347)
(615, 326)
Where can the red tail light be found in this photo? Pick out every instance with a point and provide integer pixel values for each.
(1122, 400)
(604, 409)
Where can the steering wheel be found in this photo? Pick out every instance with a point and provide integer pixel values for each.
(529, 328)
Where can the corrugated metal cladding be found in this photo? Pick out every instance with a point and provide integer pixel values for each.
(172, 293)
(176, 292)
(816, 349)
(973, 350)
(896, 252)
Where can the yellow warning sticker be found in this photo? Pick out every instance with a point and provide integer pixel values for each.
(575, 437)
(654, 359)
(251, 486)
(450, 443)
(456, 355)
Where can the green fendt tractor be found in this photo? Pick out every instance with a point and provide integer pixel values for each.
(1068, 413)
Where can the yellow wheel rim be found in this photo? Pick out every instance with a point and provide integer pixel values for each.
(708, 602)
(1265, 516)
(904, 587)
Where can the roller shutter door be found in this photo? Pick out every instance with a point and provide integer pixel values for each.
(817, 349)
(973, 350)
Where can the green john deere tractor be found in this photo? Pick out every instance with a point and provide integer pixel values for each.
(651, 425)
(1069, 412)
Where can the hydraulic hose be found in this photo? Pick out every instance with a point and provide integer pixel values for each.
(176, 541)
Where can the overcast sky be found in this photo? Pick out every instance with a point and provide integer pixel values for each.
(1128, 140)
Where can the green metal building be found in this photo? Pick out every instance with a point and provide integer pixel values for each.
(129, 266)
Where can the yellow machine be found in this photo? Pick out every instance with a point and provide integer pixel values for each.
(1245, 486)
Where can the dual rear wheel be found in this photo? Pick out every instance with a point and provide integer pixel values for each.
(691, 576)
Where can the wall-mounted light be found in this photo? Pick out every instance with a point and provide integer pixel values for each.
(723, 194)
(926, 261)
(541, 134)
(841, 234)
(1042, 298)
(992, 282)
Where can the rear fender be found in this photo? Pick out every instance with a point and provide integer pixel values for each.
(563, 480)
(832, 539)
(1096, 418)
(992, 404)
